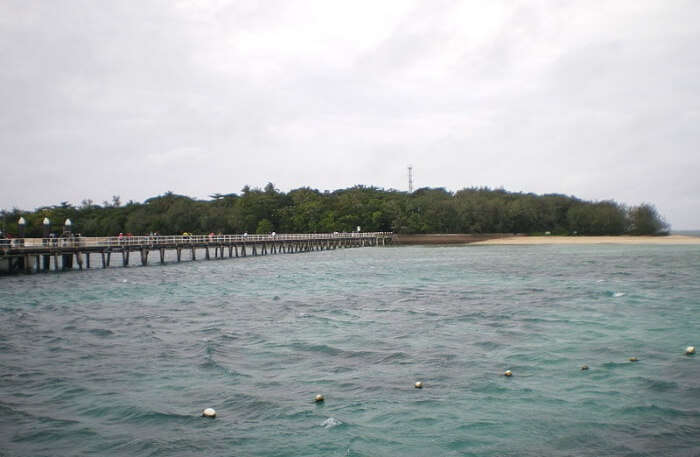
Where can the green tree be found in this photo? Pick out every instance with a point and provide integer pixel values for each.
(645, 220)
(264, 226)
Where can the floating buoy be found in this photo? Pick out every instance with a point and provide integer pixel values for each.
(690, 350)
(634, 359)
(319, 398)
(584, 367)
(419, 384)
(508, 373)
(209, 412)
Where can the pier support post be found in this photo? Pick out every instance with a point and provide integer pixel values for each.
(104, 265)
(206, 252)
(179, 253)
(79, 259)
(144, 257)
(243, 253)
(47, 262)
(162, 255)
(87, 260)
(109, 257)
(125, 257)
(67, 261)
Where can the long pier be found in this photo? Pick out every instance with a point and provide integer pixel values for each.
(29, 255)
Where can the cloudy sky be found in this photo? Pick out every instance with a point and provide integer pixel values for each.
(598, 99)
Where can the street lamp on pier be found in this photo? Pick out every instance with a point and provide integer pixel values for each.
(21, 224)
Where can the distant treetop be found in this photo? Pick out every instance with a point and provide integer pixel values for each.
(307, 210)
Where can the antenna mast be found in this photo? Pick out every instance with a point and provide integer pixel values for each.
(410, 179)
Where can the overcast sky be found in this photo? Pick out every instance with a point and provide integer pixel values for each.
(598, 99)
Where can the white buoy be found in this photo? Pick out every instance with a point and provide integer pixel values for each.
(634, 359)
(690, 350)
(319, 398)
(419, 384)
(209, 412)
(508, 373)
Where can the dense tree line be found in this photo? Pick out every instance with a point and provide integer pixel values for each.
(305, 210)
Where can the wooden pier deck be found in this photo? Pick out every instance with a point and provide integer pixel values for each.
(28, 255)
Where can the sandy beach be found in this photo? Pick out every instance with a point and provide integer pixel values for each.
(530, 240)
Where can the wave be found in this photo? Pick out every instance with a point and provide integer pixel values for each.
(331, 422)
(101, 332)
(136, 415)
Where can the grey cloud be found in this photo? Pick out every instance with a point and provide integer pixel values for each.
(597, 100)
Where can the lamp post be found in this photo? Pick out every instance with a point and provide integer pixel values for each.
(47, 227)
(21, 224)
(67, 226)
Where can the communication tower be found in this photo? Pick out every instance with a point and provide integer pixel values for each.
(410, 179)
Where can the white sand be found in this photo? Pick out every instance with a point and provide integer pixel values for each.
(661, 240)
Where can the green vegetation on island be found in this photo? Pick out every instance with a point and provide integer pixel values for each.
(305, 210)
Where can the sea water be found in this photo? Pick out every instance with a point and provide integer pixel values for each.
(122, 361)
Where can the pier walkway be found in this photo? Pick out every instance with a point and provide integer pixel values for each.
(44, 254)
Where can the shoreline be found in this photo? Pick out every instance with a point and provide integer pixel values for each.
(618, 239)
(447, 238)
(524, 240)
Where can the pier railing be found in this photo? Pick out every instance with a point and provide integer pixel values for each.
(19, 244)
(38, 254)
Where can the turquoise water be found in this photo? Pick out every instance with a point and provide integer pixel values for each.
(121, 361)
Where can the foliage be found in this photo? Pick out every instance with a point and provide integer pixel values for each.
(645, 219)
(306, 210)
